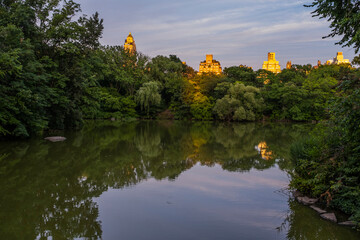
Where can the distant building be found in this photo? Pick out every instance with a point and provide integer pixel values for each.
(288, 65)
(271, 64)
(210, 66)
(130, 45)
(318, 64)
(339, 59)
(244, 66)
(264, 151)
(329, 62)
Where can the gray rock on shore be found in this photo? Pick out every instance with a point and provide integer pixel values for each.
(55, 139)
(317, 209)
(307, 200)
(348, 223)
(329, 216)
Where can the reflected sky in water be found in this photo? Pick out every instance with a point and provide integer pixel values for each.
(203, 203)
(157, 180)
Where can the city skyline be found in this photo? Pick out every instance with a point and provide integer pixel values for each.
(235, 32)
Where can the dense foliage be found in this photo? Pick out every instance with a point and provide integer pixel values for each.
(54, 74)
(327, 163)
(46, 62)
(344, 16)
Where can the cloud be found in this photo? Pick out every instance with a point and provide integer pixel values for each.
(235, 31)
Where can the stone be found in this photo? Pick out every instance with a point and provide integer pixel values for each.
(317, 209)
(112, 119)
(55, 139)
(307, 200)
(348, 223)
(329, 216)
(210, 66)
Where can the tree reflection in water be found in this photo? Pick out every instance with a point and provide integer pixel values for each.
(302, 222)
(48, 188)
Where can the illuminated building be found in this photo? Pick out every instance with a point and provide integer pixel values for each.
(210, 66)
(271, 64)
(288, 65)
(263, 150)
(130, 45)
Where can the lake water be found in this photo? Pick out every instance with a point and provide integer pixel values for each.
(157, 180)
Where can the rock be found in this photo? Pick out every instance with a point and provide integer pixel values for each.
(307, 200)
(319, 210)
(329, 216)
(113, 119)
(348, 223)
(55, 139)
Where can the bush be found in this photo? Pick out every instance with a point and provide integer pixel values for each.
(327, 164)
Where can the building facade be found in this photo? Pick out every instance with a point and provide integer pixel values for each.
(130, 45)
(339, 59)
(210, 66)
(271, 64)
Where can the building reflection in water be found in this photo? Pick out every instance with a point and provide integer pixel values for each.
(263, 150)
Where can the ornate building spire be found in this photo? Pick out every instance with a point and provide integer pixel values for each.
(130, 45)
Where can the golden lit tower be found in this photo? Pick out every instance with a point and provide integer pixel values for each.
(130, 44)
(210, 66)
(339, 59)
(271, 64)
(288, 65)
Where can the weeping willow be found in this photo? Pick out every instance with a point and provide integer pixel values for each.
(148, 95)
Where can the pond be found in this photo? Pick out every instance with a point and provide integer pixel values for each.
(157, 180)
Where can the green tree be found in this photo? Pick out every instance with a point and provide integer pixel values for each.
(148, 95)
(343, 16)
(122, 70)
(168, 72)
(243, 74)
(356, 61)
(47, 63)
(242, 103)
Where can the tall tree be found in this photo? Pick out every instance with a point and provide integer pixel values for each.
(344, 18)
(46, 59)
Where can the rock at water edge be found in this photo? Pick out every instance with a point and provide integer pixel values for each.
(55, 139)
(329, 216)
(307, 200)
(319, 210)
(348, 223)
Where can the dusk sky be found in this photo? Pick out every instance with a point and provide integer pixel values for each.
(234, 31)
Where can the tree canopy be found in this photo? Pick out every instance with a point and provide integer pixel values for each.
(344, 18)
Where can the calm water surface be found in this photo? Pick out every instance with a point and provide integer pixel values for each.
(157, 180)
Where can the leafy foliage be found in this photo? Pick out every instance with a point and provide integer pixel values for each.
(45, 64)
(148, 95)
(242, 103)
(332, 171)
(344, 17)
(54, 73)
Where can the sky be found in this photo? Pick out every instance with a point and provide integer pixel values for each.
(234, 31)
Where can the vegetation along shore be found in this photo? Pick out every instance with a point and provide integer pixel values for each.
(54, 74)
